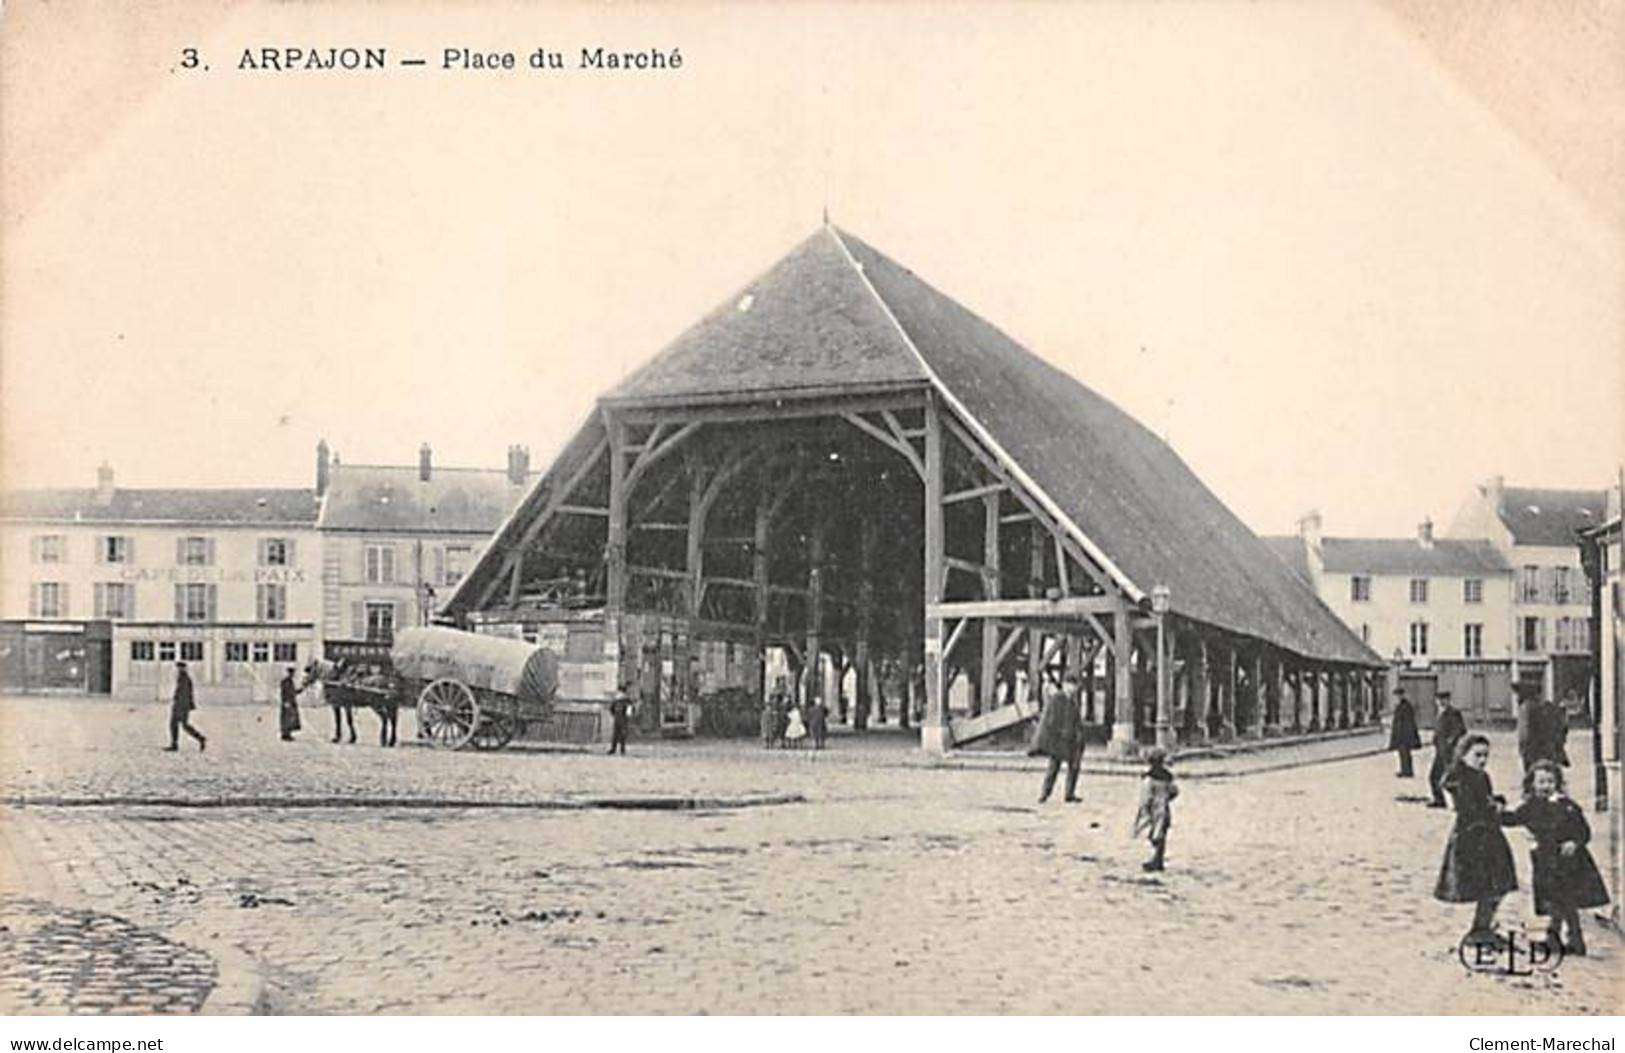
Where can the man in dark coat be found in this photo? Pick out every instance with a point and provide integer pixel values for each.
(1448, 728)
(1543, 728)
(1402, 735)
(620, 712)
(288, 718)
(180, 711)
(1060, 737)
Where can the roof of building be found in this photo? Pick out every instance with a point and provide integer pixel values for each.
(835, 315)
(1448, 557)
(1550, 517)
(222, 507)
(1290, 548)
(395, 499)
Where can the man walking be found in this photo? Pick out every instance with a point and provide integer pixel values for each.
(620, 709)
(1402, 735)
(180, 711)
(1060, 737)
(1448, 728)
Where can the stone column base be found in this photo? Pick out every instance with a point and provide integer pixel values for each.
(1122, 745)
(934, 738)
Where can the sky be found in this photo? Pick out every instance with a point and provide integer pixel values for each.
(1304, 242)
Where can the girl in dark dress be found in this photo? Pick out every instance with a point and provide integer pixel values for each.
(1566, 877)
(1477, 865)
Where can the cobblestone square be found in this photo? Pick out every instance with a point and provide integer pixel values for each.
(883, 885)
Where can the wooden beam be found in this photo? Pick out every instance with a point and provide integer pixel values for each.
(582, 510)
(885, 438)
(968, 566)
(988, 688)
(756, 406)
(1065, 607)
(1016, 517)
(953, 638)
(648, 458)
(615, 554)
(975, 492)
(555, 499)
(934, 734)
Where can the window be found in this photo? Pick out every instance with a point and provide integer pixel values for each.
(1360, 588)
(287, 651)
(50, 548)
(194, 551)
(1419, 590)
(142, 651)
(166, 650)
(1582, 634)
(262, 651)
(1472, 590)
(192, 602)
(1531, 635)
(1365, 633)
(113, 549)
(1419, 638)
(381, 622)
(1560, 584)
(48, 599)
(457, 560)
(1560, 635)
(380, 564)
(236, 651)
(1472, 640)
(272, 602)
(1529, 585)
(114, 599)
(191, 650)
(276, 552)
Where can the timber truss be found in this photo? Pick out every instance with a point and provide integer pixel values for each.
(883, 531)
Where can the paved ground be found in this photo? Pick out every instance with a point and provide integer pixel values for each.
(894, 888)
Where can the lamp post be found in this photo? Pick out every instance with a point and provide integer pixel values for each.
(1159, 607)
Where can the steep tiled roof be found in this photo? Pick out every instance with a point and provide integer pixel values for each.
(1380, 555)
(1550, 517)
(1292, 552)
(390, 498)
(837, 315)
(203, 506)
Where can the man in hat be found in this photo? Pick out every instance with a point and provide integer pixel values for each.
(1402, 734)
(1448, 728)
(620, 710)
(180, 711)
(1060, 736)
(289, 715)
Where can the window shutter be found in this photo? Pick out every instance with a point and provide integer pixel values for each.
(208, 552)
(180, 551)
(259, 595)
(129, 602)
(358, 620)
(260, 547)
(439, 566)
(33, 599)
(287, 549)
(101, 549)
(396, 615)
(99, 601)
(214, 596)
(129, 550)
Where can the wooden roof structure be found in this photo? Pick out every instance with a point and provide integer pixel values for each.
(838, 332)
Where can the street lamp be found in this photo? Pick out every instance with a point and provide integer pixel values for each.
(1159, 606)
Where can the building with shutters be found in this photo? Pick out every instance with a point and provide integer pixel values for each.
(102, 590)
(1537, 531)
(1437, 607)
(397, 540)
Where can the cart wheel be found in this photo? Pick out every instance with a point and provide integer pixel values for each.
(496, 729)
(448, 714)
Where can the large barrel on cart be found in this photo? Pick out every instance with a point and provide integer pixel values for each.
(473, 689)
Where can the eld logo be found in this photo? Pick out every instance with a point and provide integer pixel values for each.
(1510, 954)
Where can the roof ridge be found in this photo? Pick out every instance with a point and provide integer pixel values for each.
(980, 431)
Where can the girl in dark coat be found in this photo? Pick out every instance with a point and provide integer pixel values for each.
(1403, 736)
(1566, 877)
(1477, 865)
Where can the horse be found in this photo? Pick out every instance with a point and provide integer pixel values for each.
(346, 685)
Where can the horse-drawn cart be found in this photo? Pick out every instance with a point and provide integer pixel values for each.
(472, 689)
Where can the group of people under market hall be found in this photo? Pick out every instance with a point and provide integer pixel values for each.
(787, 725)
(1478, 866)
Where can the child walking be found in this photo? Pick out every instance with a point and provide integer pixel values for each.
(1157, 793)
(1477, 865)
(1566, 877)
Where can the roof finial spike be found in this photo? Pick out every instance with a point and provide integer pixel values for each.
(826, 212)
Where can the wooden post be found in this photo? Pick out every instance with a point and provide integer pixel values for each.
(1202, 687)
(866, 614)
(759, 540)
(1035, 589)
(934, 729)
(815, 614)
(1165, 693)
(1122, 743)
(615, 556)
(1228, 689)
(1255, 673)
(986, 690)
(1182, 690)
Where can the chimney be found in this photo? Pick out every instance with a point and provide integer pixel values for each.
(104, 484)
(1424, 532)
(518, 464)
(1309, 529)
(425, 459)
(1495, 490)
(324, 467)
